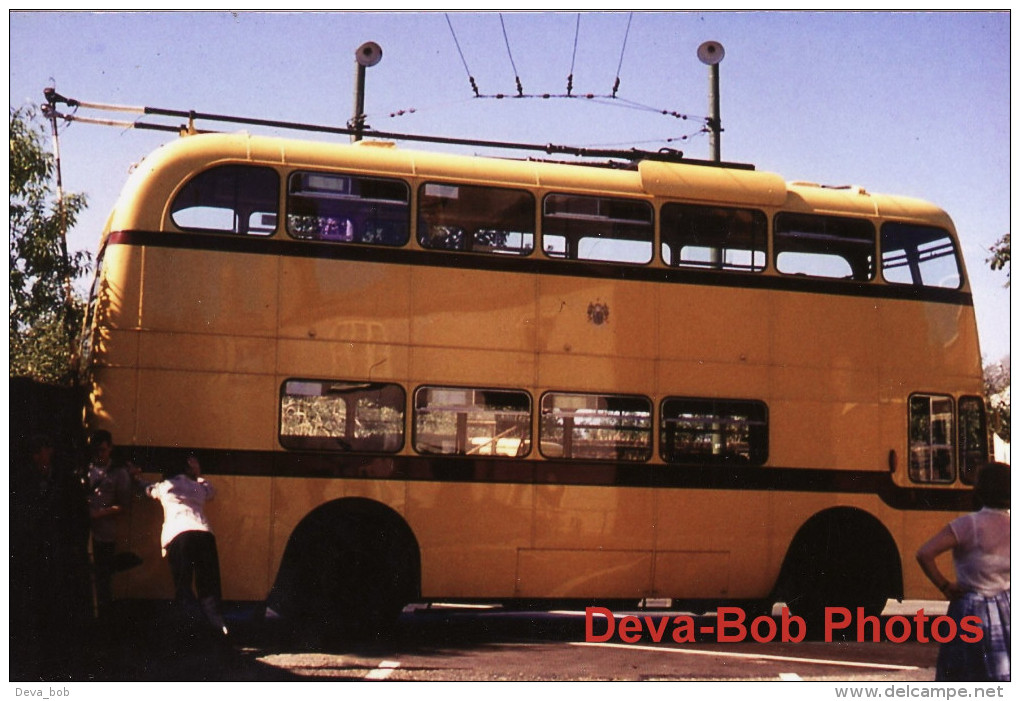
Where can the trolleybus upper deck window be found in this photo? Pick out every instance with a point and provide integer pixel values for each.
(714, 238)
(229, 199)
(476, 218)
(348, 208)
(597, 228)
(823, 246)
(919, 255)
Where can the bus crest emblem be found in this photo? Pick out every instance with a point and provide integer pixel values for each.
(598, 313)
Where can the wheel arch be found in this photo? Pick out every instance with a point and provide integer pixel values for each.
(848, 539)
(336, 530)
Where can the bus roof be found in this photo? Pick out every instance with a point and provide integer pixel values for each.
(165, 169)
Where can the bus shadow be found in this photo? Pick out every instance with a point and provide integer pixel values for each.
(150, 641)
(443, 630)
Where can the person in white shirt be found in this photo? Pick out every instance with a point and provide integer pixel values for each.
(188, 541)
(979, 542)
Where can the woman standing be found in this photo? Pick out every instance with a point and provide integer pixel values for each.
(979, 542)
(188, 541)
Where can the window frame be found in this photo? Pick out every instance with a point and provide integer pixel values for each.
(758, 440)
(469, 240)
(567, 451)
(913, 263)
(950, 449)
(645, 204)
(795, 233)
(969, 459)
(759, 234)
(462, 437)
(344, 444)
(291, 195)
(236, 230)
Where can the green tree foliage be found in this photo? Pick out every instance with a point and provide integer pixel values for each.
(997, 392)
(1000, 256)
(43, 319)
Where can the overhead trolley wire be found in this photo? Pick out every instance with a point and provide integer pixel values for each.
(619, 67)
(506, 40)
(471, 78)
(573, 56)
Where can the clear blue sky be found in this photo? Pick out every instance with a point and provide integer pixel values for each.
(904, 103)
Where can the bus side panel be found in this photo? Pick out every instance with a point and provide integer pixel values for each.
(472, 309)
(930, 340)
(345, 301)
(188, 290)
(833, 335)
(469, 535)
(318, 359)
(480, 368)
(238, 355)
(713, 544)
(694, 378)
(584, 574)
(119, 294)
(112, 401)
(598, 317)
(567, 371)
(825, 383)
(826, 418)
(714, 325)
(915, 528)
(206, 410)
(589, 542)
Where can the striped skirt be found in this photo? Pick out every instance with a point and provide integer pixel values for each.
(987, 659)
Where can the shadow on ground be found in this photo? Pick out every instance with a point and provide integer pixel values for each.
(152, 641)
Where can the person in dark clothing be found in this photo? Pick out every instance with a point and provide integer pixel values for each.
(109, 499)
(49, 573)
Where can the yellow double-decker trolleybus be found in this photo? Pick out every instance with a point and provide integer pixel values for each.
(416, 376)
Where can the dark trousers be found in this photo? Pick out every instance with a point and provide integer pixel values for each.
(193, 558)
(102, 559)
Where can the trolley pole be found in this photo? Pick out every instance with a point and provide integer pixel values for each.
(715, 124)
(367, 55)
(711, 54)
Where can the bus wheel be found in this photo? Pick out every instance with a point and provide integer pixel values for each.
(350, 567)
(841, 557)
